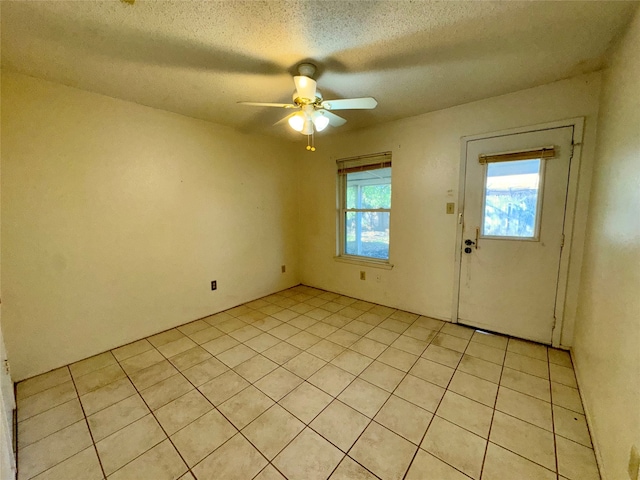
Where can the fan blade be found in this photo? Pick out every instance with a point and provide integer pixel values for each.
(334, 120)
(350, 104)
(285, 119)
(260, 104)
(306, 87)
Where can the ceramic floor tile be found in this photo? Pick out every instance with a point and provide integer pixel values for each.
(236, 355)
(141, 361)
(430, 323)
(91, 364)
(352, 362)
(427, 467)
(450, 342)
(284, 331)
(525, 383)
(206, 335)
(161, 462)
(343, 338)
(526, 364)
(278, 383)
(533, 443)
(143, 379)
(303, 322)
(281, 353)
(235, 460)
(525, 407)
(189, 358)
(420, 333)
(566, 397)
(220, 344)
(480, 368)
(128, 443)
(117, 416)
(368, 347)
(262, 342)
(364, 397)
(42, 382)
(45, 400)
(223, 387)
(432, 372)
(286, 315)
(273, 430)
(474, 388)
(172, 349)
(203, 436)
(394, 325)
(326, 350)
(501, 464)
(340, 424)
(50, 421)
(490, 339)
(404, 418)
(383, 376)
(83, 465)
(321, 329)
(457, 330)
(350, 470)
(269, 473)
(563, 375)
(571, 425)
(383, 452)
(53, 449)
(246, 406)
(466, 413)
(560, 357)
(193, 327)
(108, 395)
(398, 359)
(331, 379)
(303, 340)
(306, 402)
(575, 461)
(382, 335)
(166, 391)
(182, 411)
(358, 327)
(410, 345)
(246, 333)
(295, 462)
(229, 326)
(165, 337)
(304, 365)
(372, 318)
(98, 378)
(456, 446)
(443, 356)
(255, 368)
(205, 371)
(267, 324)
(420, 392)
(484, 352)
(530, 349)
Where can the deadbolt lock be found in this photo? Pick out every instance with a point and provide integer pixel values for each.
(469, 242)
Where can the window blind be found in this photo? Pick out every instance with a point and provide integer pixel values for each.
(364, 162)
(542, 152)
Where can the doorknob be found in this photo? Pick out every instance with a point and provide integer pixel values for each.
(469, 242)
(468, 250)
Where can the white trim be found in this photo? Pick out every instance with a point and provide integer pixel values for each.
(588, 417)
(363, 261)
(569, 216)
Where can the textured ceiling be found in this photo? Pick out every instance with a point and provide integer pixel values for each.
(199, 58)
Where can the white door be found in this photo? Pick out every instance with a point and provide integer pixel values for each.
(7, 405)
(513, 222)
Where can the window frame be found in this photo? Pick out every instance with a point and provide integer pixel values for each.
(376, 161)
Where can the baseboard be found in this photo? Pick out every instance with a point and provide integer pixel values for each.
(589, 418)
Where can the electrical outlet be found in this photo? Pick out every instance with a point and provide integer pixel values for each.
(363, 275)
(283, 268)
(451, 208)
(634, 463)
(214, 284)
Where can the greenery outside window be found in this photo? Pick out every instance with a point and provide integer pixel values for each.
(365, 207)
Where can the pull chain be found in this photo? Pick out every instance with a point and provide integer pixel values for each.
(311, 143)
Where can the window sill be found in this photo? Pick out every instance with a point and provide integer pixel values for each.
(365, 262)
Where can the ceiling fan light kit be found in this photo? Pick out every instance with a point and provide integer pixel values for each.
(313, 113)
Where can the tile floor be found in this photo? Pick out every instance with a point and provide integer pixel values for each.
(307, 384)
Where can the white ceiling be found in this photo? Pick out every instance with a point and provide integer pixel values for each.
(199, 58)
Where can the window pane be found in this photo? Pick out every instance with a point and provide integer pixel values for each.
(511, 199)
(369, 189)
(367, 234)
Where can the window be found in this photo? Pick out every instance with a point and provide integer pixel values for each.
(512, 199)
(365, 206)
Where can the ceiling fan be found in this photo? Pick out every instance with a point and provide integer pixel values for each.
(313, 113)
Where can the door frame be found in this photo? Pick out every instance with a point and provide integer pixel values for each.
(569, 213)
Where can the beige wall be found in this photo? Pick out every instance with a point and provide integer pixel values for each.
(426, 160)
(116, 217)
(607, 341)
